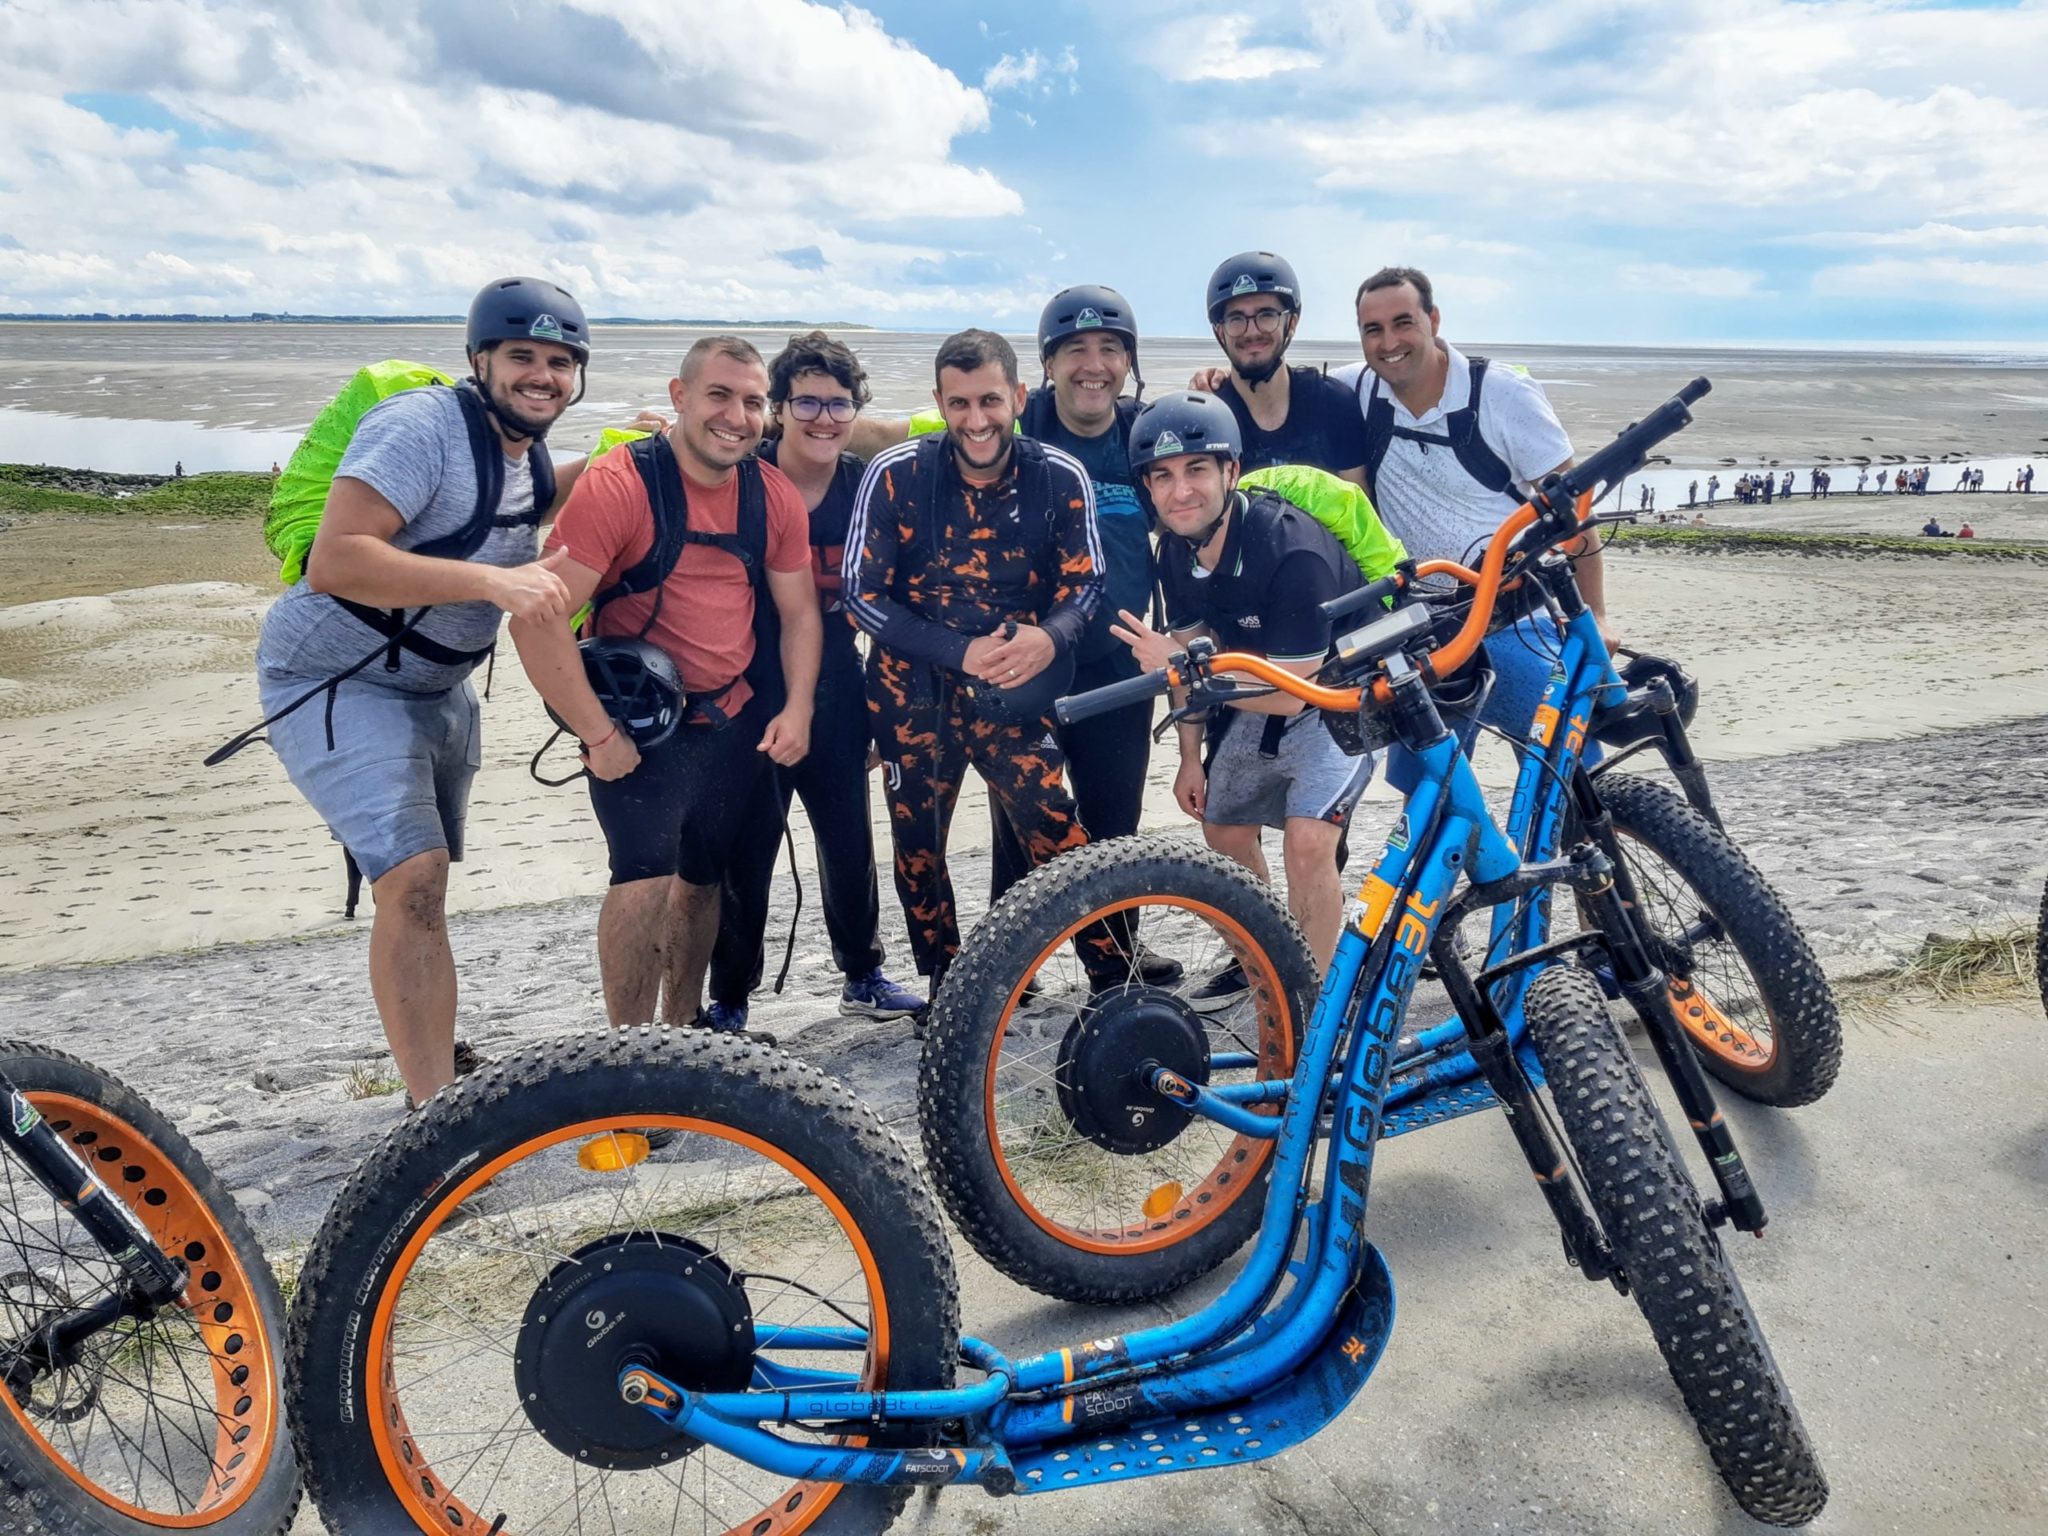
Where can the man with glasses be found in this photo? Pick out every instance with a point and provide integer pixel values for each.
(1286, 414)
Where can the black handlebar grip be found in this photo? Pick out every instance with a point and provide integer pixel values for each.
(1695, 390)
(1338, 609)
(1100, 701)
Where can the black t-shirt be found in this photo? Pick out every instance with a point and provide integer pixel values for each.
(1324, 427)
(829, 520)
(1123, 518)
(1277, 567)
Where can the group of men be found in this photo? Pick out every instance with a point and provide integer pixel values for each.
(1004, 559)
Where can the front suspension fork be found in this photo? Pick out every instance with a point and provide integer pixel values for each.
(1648, 991)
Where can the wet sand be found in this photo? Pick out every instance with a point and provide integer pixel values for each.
(115, 841)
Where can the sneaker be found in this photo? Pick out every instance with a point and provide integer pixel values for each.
(466, 1058)
(729, 1019)
(1157, 970)
(875, 996)
(1223, 990)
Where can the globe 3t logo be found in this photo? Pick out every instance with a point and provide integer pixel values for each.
(599, 1325)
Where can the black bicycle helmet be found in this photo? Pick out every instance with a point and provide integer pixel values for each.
(638, 685)
(1087, 307)
(1252, 272)
(1186, 422)
(528, 309)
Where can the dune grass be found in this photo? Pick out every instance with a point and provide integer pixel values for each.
(33, 488)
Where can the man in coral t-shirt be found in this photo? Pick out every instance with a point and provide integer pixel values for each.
(669, 818)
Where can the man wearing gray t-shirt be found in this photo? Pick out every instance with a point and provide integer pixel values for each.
(402, 594)
(1454, 445)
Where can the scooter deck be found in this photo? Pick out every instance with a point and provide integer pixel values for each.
(1284, 1414)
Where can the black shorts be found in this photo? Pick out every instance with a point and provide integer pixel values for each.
(679, 812)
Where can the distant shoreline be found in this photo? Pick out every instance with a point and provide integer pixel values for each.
(291, 319)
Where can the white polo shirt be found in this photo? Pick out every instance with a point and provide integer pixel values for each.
(1422, 492)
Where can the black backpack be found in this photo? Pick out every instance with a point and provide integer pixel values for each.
(668, 500)
(1461, 436)
(401, 629)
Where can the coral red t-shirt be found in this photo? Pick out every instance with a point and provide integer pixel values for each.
(706, 619)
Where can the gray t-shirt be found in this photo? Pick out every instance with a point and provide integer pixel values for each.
(413, 450)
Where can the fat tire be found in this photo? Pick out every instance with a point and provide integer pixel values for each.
(1806, 1030)
(752, 1087)
(1672, 1259)
(39, 1498)
(969, 1011)
(2041, 949)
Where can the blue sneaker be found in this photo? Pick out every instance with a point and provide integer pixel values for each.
(727, 1018)
(875, 996)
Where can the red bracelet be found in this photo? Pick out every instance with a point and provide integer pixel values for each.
(592, 746)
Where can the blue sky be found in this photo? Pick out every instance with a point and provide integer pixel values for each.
(1598, 171)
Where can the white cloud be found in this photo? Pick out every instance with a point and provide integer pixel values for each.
(1215, 48)
(1932, 279)
(1933, 237)
(367, 155)
(1019, 71)
(1690, 282)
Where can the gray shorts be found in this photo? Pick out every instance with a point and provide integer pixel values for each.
(397, 782)
(1309, 777)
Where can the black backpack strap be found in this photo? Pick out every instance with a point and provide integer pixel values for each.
(668, 503)
(1379, 428)
(764, 672)
(1479, 461)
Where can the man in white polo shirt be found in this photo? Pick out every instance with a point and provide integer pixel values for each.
(1453, 445)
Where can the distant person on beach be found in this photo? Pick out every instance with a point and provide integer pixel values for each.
(1863, 479)
(274, 470)
(393, 781)
(178, 470)
(1977, 480)
(1699, 519)
(1770, 484)
(1692, 494)
(1966, 532)
(1901, 482)
(1445, 503)
(672, 816)
(2027, 478)
(1932, 529)
(1288, 415)
(1785, 490)
(1713, 488)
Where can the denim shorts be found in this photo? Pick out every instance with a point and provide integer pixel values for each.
(396, 782)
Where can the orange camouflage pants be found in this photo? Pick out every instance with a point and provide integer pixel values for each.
(928, 733)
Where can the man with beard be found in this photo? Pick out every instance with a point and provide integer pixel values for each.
(973, 560)
(1285, 414)
(670, 818)
(388, 763)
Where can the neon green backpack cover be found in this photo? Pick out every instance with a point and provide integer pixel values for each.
(1339, 506)
(299, 498)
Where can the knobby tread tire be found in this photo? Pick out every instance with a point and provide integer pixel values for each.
(39, 1499)
(969, 1010)
(753, 1087)
(1806, 1029)
(1675, 1266)
(2041, 949)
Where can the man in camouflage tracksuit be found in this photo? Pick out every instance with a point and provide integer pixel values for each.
(974, 563)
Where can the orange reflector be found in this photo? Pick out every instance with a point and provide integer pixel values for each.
(613, 1151)
(1162, 1200)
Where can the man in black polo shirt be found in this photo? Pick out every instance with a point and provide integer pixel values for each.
(1285, 415)
(1252, 572)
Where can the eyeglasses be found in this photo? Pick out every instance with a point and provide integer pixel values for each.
(1267, 320)
(841, 408)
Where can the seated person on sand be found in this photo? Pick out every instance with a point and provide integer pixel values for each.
(1932, 530)
(1966, 532)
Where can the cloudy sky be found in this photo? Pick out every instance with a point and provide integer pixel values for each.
(1575, 170)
